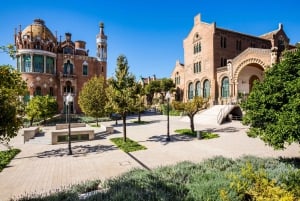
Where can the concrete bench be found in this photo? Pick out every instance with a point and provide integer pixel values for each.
(110, 129)
(82, 134)
(65, 126)
(29, 133)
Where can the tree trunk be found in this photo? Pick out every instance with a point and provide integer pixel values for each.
(97, 121)
(124, 126)
(139, 117)
(31, 121)
(192, 123)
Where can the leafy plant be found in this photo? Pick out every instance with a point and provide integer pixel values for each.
(128, 145)
(7, 156)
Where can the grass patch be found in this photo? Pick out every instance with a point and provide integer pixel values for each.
(128, 146)
(7, 156)
(204, 135)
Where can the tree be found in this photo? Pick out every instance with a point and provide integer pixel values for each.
(121, 92)
(140, 97)
(9, 49)
(12, 87)
(41, 107)
(273, 106)
(191, 108)
(92, 97)
(158, 86)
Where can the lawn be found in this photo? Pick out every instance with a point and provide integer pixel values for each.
(7, 156)
(204, 134)
(128, 146)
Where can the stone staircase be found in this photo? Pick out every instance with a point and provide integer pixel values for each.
(211, 116)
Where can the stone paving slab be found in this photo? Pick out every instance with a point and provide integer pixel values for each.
(44, 168)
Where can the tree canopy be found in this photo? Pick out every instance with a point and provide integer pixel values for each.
(158, 86)
(273, 106)
(121, 91)
(12, 87)
(92, 97)
(191, 108)
(41, 107)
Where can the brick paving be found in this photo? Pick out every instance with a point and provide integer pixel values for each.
(41, 167)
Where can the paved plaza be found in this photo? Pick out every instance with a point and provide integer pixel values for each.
(41, 167)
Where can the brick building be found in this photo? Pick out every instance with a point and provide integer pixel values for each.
(221, 64)
(57, 67)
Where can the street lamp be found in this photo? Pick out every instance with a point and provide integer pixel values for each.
(69, 99)
(168, 96)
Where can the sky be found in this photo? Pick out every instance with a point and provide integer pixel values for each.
(149, 33)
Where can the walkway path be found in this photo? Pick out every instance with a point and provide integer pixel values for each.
(42, 167)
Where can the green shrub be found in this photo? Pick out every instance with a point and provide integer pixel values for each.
(255, 185)
(7, 156)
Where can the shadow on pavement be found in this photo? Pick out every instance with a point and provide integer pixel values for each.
(174, 138)
(225, 130)
(77, 151)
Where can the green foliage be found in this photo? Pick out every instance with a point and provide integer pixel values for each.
(41, 107)
(255, 185)
(128, 145)
(191, 108)
(7, 156)
(92, 97)
(122, 91)
(12, 87)
(273, 107)
(158, 86)
(204, 135)
(10, 50)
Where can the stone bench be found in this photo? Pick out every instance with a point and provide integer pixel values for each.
(110, 129)
(29, 133)
(77, 134)
(65, 126)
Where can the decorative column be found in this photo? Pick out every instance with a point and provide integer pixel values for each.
(45, 57)
(31, 62)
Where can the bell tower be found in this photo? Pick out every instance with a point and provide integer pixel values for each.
(101, 41)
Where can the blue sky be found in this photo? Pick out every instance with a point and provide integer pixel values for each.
(149, 33)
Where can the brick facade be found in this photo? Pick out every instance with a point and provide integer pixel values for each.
(221, 64)
(57, 67)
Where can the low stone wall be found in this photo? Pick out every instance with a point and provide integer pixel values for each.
(73, 125)
(29, 133)
(65, 132)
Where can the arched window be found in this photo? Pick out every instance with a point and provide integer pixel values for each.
(85, 68)
(198, 89)
(68, 87)
(206, 89)
(51, 91)
(38, 91)
(191, 91)
(225, 87)
(68, 68)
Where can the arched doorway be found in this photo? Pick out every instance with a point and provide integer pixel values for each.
(251, 81)
(247, 75)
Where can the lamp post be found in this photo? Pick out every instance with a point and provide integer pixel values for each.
(168, 116)
(69, 99)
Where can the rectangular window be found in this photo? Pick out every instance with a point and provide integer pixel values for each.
(84, 70)
(27, 63)
(223, 42)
